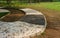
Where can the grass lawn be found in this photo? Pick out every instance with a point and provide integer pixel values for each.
(2, 14)
(51, 5)
(48, 5)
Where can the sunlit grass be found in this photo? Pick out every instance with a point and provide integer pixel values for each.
(47, 5)
(51, 5)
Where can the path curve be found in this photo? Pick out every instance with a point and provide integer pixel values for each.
(32, 24)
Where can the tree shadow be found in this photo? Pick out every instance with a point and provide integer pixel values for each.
(33, 19)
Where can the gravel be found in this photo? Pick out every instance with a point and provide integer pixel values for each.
(18, 29)
(25, 27)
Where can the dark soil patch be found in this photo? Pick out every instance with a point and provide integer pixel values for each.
(13, 16)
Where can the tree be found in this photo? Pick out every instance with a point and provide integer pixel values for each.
(8, 2)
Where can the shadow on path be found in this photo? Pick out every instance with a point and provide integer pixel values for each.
(34, 19)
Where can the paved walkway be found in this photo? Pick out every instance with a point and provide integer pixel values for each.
(26, 27)
(31, 12)
(3, 11)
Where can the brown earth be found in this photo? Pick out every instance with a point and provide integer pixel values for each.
(53, 23)
(14, 15)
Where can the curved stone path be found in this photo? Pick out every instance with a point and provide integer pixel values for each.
(32, 24)
(3, 12)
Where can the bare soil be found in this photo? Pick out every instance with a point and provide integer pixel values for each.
(15, 15)
(53, 23)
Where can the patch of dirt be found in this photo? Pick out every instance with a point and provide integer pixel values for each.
(50, 33)
(15, 15)
(53, 23)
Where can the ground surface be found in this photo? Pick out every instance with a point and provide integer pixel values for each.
(53, 18)
(13, 16)
(53, 23)
(26, 26)
(52, 12)
(52, 15)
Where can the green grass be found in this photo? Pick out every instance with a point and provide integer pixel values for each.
(2, 14)
(51, 5)
(48, 5)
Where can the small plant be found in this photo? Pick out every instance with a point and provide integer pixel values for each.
(2, 14)
(43, 33)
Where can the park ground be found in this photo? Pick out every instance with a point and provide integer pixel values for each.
(53, 20)
(52, 12)
(53, 24)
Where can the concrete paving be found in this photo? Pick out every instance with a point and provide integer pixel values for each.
(31, 12)
(4, 11)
